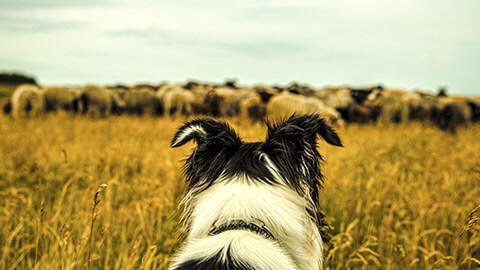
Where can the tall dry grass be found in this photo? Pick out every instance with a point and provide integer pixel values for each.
(397, 197)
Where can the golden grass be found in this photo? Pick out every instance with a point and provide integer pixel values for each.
(6, 90)
(396, 196)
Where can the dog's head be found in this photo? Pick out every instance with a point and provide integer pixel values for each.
(288, 154)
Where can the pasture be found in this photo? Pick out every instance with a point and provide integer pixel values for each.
(396, 196)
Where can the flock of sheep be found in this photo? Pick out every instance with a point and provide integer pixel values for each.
(339, 105)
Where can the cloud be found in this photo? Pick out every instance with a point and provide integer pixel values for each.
(152, 35)
(35, 4)
(286, 13)
(265, 48)
(16, 24)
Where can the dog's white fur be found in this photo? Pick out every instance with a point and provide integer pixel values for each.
(297, 244)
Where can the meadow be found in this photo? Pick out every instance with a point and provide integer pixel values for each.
(80, 193)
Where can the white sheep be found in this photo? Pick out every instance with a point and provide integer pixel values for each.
(27, 101)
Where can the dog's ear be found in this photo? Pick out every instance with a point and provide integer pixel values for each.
(206, 132)
(192, 130)
(328, 133)
(292, 147)
(216, 144)
(302, 129)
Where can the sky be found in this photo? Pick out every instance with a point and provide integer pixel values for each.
(411, 44)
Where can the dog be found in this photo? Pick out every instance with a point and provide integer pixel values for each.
(254, 205)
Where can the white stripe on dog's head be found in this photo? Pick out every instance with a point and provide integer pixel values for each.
(187, 133)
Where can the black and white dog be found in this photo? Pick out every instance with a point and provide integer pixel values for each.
(254, 205)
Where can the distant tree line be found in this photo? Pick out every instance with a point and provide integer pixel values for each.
(16, 78)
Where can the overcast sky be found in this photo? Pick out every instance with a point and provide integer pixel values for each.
(422, 44)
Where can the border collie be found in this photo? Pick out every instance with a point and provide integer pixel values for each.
(254, 205)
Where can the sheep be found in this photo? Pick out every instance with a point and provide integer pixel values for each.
(165, 88)
(360, 113)
(62, 98)
(224, 102)
(142, 102)
(265, 92)
(284, 104)
(119, 87)
(229, 105)
(231, 83)
(252, 107)
(118, 105)
(475, 109)
(360, 95)
(420, 106)
(7, 107)
(313, 104)
(394, 107)
(451, 113)
(145, 86)
(176, 100)
(257, 112)
(190, 85)
(208, 105)
(453, 116)
(27, 101)
(99, 101)
(298, 89)
(335, 97)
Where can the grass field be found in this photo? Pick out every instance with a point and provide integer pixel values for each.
(397, 197)
(6, 91)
